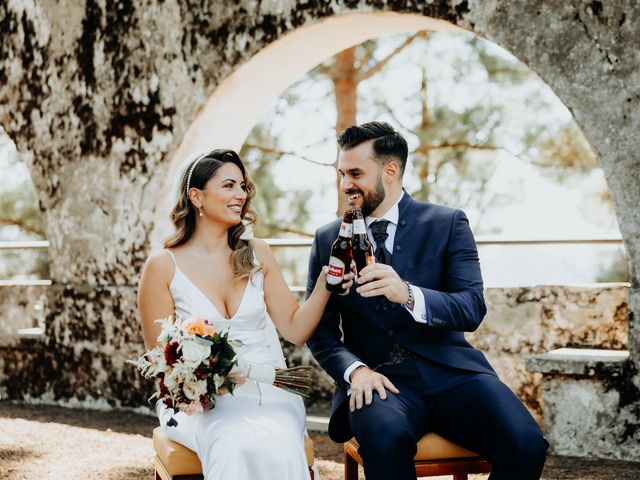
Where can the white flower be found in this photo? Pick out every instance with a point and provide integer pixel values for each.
(171, 379)
(195, 351)
(180, 372)
(194, 388)
(218, 380)
(151, 363)
(165, 329)
(176, 375)
(158, 364)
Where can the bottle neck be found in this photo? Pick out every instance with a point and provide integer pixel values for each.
(359, 227)
(346, 229)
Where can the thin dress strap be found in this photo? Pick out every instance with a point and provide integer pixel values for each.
(172, 256)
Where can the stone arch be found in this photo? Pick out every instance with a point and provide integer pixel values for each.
(99, 100)
(239, 101)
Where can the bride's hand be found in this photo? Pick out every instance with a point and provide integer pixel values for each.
(239, 379)
(347, 283)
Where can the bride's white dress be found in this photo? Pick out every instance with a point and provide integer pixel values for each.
(258, 432)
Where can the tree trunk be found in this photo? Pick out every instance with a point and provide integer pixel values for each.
(345, 89)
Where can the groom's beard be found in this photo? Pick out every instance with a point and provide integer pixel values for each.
(371, 201)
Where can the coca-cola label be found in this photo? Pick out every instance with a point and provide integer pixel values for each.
(345, 230)
(359, 227)
(336, 271)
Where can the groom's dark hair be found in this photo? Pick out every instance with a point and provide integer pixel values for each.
(388, 144)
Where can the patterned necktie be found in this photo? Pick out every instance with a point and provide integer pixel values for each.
(379, 232)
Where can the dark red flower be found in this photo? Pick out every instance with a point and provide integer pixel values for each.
(164, 391)
(171, 354)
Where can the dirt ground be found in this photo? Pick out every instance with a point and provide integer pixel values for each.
(44, 442)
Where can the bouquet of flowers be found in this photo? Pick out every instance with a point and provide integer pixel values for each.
(193, 363)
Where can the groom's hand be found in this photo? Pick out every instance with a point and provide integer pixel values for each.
(363, 382)
(380, 279)
(347, 283)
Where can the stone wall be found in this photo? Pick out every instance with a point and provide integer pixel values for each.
(589, 418)
(590, 407)
(532, 320)
(84, 365)
(87, 365)
(21, 306)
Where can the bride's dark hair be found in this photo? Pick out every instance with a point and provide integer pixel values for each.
(183, 213)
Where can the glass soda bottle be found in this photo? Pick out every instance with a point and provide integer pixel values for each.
(341, 255)
(360, 244)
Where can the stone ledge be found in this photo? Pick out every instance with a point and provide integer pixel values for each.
(23, 335)
(585, 362)
(317, 423)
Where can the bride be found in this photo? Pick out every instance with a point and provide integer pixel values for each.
(209, 268)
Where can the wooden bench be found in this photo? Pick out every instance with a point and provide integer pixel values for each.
(435, 456)
(176, 462)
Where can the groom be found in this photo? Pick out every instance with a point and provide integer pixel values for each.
(395, 346)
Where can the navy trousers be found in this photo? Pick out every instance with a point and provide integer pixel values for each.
(475, 410)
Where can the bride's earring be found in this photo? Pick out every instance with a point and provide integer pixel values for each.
(200, 210)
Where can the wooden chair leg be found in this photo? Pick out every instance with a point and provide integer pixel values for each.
(460, 476)
(350, 467)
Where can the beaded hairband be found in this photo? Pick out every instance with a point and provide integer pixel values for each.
(195, 162)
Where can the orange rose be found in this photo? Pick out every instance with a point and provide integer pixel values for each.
(209, 331)
(196, 328)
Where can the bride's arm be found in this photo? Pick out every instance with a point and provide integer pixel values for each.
(154, 297)
(296, 323)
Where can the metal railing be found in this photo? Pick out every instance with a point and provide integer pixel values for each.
(28, 245)
(481, 241)
(307, 242)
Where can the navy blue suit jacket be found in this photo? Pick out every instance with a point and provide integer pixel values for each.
(435, 250)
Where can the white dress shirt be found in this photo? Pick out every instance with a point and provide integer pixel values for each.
(419, 312)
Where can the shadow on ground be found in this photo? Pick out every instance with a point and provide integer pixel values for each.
(113, 420)
(128, 473)
(16, 455)
(12, 459)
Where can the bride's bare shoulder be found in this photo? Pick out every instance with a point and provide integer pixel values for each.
(259, 245)
(261, 249)
(160, 264)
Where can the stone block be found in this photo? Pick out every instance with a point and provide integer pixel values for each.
(21, 307)
(590, 402)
